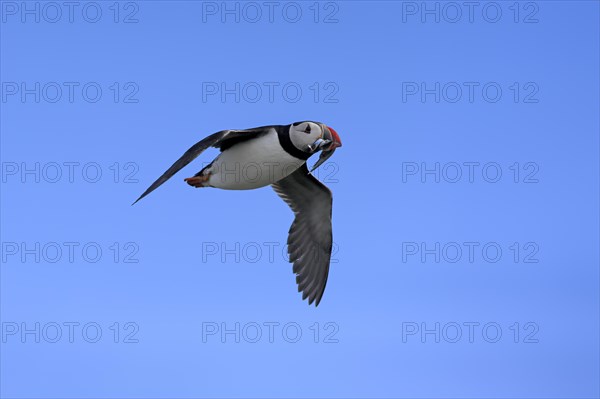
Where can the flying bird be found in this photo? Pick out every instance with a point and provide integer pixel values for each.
(276, 155)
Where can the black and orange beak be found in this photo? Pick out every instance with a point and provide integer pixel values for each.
(333, 141)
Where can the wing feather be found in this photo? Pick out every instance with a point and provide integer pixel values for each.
(310, 237)
(223, 139)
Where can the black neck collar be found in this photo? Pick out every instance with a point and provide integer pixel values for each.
(283, 132)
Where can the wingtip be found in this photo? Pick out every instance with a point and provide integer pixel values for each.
(318, 300)
(148, 191)
(312, 299)
(136, 201)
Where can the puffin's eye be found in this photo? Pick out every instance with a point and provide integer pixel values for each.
(307, 130)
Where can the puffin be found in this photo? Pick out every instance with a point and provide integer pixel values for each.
(276, 155)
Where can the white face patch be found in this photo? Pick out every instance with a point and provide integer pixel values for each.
(304, 134)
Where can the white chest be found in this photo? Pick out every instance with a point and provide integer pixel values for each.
(252, 164)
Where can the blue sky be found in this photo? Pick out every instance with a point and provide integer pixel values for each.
(465, 211)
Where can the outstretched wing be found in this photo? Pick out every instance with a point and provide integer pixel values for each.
(310, 237)
(223, 139)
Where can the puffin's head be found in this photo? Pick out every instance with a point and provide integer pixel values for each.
(315, 136)
(304, 135)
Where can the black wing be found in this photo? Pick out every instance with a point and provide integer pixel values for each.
(310, 237)
(223, 140)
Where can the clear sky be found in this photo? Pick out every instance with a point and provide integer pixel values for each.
(465, 200)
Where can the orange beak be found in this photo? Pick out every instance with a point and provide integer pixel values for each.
(336, 142)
